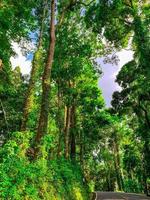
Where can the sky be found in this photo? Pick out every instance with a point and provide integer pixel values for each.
(20, 60)
(106, 82)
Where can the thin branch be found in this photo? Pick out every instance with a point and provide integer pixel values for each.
(129, 49)
(69, 7)
(65, 9)
(84, 4)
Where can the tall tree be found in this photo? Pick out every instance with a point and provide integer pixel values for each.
(43, 120)
(36, 64)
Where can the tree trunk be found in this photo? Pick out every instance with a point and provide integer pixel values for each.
(34, 75)
(72, 134)
(81, 149)
(146, 161)
(59, 120)
(67, 130)
(43, 120)
(117, 165)
(108, 180)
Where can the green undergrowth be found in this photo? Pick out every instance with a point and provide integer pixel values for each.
(44, 178)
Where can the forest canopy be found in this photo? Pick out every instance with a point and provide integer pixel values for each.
(58, 139)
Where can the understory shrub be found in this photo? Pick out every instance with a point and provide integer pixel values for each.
(24, 179)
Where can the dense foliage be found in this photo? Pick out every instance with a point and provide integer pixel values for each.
(57, 138)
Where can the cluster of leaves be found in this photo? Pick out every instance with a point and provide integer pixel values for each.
(42, 178)
(84, 139)
(10, 117)
(125, 24)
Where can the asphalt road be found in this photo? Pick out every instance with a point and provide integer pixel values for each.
(118, 196)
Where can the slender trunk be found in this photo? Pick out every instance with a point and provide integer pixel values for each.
(69, 6)
(59, 120)
(43, 120)
(146, 172)
(73, 146)
(117, 165)
(67, 127)
(66, 131)
(108, 180)
(72, 134)
(34, 75)
(81, 149)
(59, 145)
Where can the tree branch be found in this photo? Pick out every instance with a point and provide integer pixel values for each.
(65, 9)
(84, 4)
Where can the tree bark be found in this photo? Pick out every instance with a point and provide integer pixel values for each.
(66, 131)
(59, 120)
(34, 75)
(117, 164)
(81, 149)
(72, 134)
(43, 120)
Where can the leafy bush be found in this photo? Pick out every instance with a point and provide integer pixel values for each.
(132, 185)
(38, 179)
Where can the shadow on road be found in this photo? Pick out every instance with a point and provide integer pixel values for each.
(117, 196)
